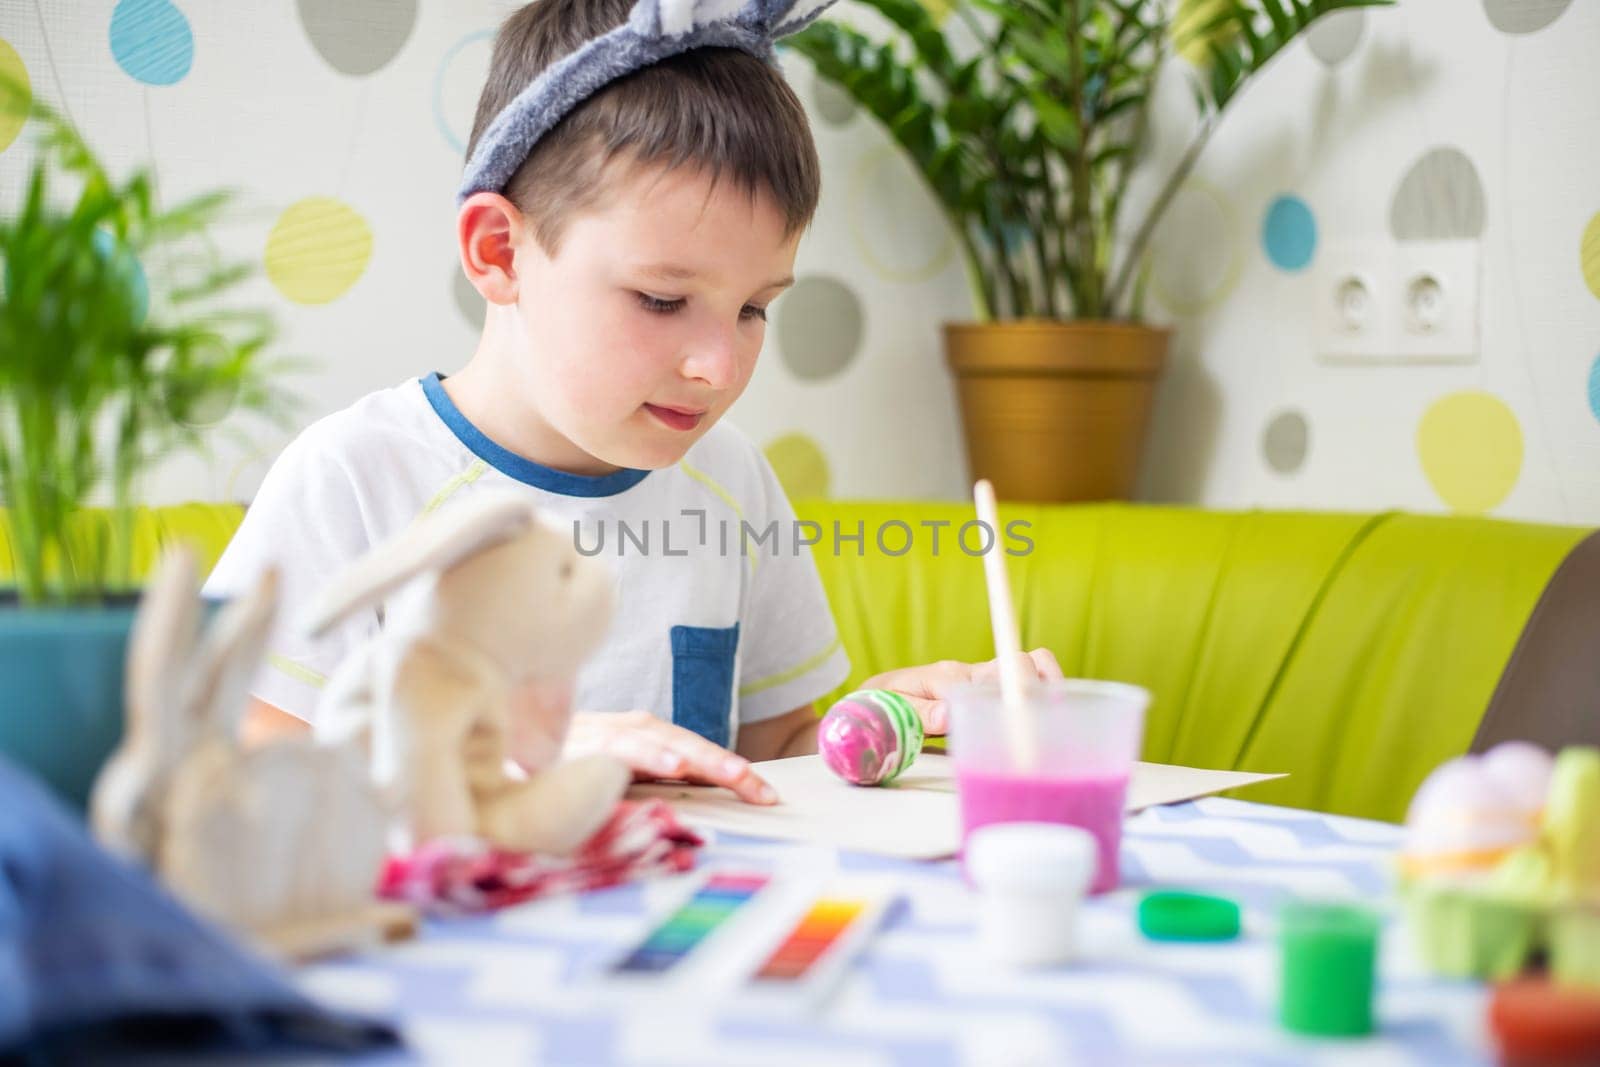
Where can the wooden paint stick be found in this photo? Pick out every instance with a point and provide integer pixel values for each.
(1007, 646)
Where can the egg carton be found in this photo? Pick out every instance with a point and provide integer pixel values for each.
(1476, 932)
(1501, 866)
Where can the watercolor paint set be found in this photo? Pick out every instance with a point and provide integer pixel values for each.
(757, 940)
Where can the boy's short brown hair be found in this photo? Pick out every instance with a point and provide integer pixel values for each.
(719, 109)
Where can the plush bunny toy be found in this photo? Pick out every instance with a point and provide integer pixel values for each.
(283, 842)
(487, 615)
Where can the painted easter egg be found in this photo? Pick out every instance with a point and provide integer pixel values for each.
(1522, 770)
(870, 736)
(1466, 818)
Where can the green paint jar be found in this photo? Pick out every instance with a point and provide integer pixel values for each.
(1330, 955)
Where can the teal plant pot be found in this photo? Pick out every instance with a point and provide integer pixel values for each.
(61, 692)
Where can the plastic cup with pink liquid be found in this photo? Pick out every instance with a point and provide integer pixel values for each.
(1085, 739)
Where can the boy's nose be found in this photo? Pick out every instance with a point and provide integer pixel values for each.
(714, 359)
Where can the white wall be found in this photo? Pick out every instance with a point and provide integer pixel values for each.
(270, 103)
(1524, 109)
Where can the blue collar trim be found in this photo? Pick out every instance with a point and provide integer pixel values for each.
(520, 467)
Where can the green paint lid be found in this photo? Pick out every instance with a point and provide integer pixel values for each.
(1178, 916)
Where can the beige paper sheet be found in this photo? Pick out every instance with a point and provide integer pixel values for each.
(915, 818)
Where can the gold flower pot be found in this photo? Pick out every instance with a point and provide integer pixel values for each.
(1056, 410)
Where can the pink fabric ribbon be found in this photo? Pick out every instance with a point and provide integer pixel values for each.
(456, 875)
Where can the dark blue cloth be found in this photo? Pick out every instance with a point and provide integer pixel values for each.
(95, 957)
(703, 659)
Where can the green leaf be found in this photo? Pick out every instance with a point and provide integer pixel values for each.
(1048, 56)
(923, 33)
(1225, 74)
(1244, 24)
(1038, 130)
(1119, 105)
(1057, 121)
(91, 383)
(1111, 154)
(1283, 25)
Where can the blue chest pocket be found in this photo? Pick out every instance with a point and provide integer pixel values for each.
(702, 679)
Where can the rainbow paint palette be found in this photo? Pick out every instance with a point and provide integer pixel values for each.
(754, 941)
(815, 950)
(821, 930)
(712, 905)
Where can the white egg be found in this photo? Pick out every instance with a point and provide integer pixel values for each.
(1522, 772)
(1463, 818)
(1455, 785)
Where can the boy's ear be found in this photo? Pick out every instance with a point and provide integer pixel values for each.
(487, 229)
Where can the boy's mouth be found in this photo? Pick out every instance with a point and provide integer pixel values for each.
(676, 418)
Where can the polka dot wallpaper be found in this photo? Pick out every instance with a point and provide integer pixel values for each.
(151, 41)
(1285, 442)
(13, 71)
(317, 250)
(1589, 255)
(1289, 233)
(341, 124)
(1594, 388)
(1471, 449)
(357, 37)
(1334, 39)
(1433, 120)
(1198, 271)
(1523, 16)
(1440, 198)
(819, 327)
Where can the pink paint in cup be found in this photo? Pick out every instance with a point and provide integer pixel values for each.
(1086, 738)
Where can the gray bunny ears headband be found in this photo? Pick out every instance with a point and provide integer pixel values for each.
(655, 30)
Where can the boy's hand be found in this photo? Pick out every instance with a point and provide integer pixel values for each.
(926, 686)
(657, 749)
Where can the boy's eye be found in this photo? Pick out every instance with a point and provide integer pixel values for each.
(659, 306)
(666, 307)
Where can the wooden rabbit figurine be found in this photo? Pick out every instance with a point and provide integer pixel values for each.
(488, 614)
(283, 842)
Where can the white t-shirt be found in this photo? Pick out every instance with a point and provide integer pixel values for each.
(721, 618)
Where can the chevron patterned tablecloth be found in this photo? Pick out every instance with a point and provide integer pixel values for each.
(510, 988)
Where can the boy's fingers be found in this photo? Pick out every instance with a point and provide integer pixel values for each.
(934, 714)
(926, 686)
(710, 762)
(748, 786)
(1039, 663)
(1045, 665)
(753, 789)
(710, 758)
(927, 682)
(655, 749)
(645, 754)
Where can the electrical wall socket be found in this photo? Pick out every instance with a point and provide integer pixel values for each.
(1396, 302)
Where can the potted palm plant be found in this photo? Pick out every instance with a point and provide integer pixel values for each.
(99, 378)
(1028, 144)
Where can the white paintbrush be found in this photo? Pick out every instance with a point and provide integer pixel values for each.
(1007, 647)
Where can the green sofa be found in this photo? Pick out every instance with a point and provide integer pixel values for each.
(1354, 652)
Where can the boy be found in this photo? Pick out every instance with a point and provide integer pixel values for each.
(630, 209)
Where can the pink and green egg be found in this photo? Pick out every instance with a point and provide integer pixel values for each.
(870, 736)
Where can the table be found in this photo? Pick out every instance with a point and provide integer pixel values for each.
(507, 988)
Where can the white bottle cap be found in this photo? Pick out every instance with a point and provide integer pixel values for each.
(1031, 857)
